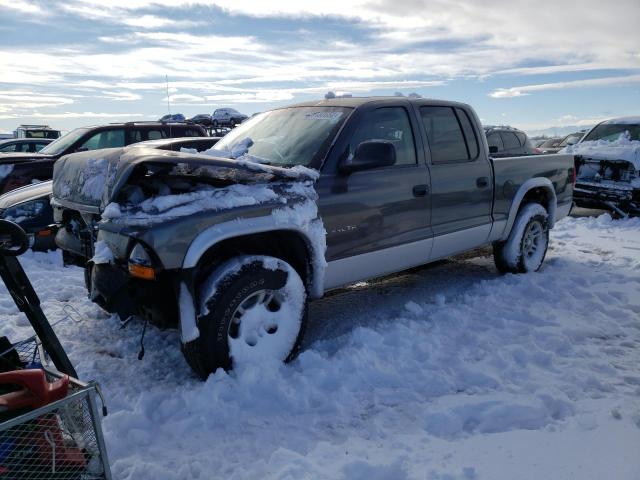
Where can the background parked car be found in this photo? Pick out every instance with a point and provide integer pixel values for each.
(203, 119)
(607, 162)
(227, 117)
(21, 169)
(552, 142)
(172, 117)
(28, 145)
(536, 142)
(36, 131)
(570, 139)
(30, 207)
(507, 141)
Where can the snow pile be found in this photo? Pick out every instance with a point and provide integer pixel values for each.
(447, 372)
(621, 149)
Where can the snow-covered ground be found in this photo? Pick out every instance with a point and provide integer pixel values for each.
(446, 372)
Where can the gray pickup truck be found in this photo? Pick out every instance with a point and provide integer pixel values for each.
(230, 245)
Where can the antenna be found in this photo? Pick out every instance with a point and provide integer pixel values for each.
(166, 79)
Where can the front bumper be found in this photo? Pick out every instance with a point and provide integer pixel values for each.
(113, 289)
(617, 196)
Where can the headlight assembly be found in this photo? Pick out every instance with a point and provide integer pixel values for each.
(140, 263)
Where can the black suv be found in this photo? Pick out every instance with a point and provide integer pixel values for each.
(26, 167)
(508, 142)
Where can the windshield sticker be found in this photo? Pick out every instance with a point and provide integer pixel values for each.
(332, 116)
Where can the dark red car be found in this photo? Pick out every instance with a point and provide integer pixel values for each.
(19, 169)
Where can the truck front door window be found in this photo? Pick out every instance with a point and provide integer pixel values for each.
(390, 124)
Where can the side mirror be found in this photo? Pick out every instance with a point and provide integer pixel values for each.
(370, 154)
(13, 239)
(572, 141)
(493, 149)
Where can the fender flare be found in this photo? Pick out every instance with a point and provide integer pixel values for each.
(247, 226)
(526, 187)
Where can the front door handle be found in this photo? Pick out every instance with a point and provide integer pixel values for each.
(482, 182)
(420, 190)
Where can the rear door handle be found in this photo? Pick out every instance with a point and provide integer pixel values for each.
(482, 182)
(420, 190)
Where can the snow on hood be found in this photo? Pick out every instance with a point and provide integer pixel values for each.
(166, 207)
(620, 149)
(95, 178)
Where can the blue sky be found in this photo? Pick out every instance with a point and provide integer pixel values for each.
(529, 64)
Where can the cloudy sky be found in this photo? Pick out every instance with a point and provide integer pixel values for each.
(529, 64)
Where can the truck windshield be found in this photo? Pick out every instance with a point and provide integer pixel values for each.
(57, 147)
(286, 137)
(612, 131)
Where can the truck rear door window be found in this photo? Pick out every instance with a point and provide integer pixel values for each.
(390, 124)
(446, 140)
(469, 133)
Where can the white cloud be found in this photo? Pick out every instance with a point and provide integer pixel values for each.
(406, 45)
(61, 115)
(592, 82)
(24, 7)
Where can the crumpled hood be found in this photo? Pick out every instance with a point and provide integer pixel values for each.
(94, 179)
(621, 149)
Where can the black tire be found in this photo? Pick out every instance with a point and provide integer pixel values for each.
(512, 255)
(211, 350)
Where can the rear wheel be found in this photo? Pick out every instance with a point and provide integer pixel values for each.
(526, 247)
(252, 311)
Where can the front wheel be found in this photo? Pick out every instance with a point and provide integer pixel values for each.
(526, 247)
(252, 311)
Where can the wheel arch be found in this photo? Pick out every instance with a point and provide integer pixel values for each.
(538, 190)
(260, 236)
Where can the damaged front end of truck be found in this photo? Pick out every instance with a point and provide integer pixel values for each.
(132, 218)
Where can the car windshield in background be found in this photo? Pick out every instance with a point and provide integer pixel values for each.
(61, 144)
(571, 139)
(552, 142)
(612, 131)
(286, 137)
